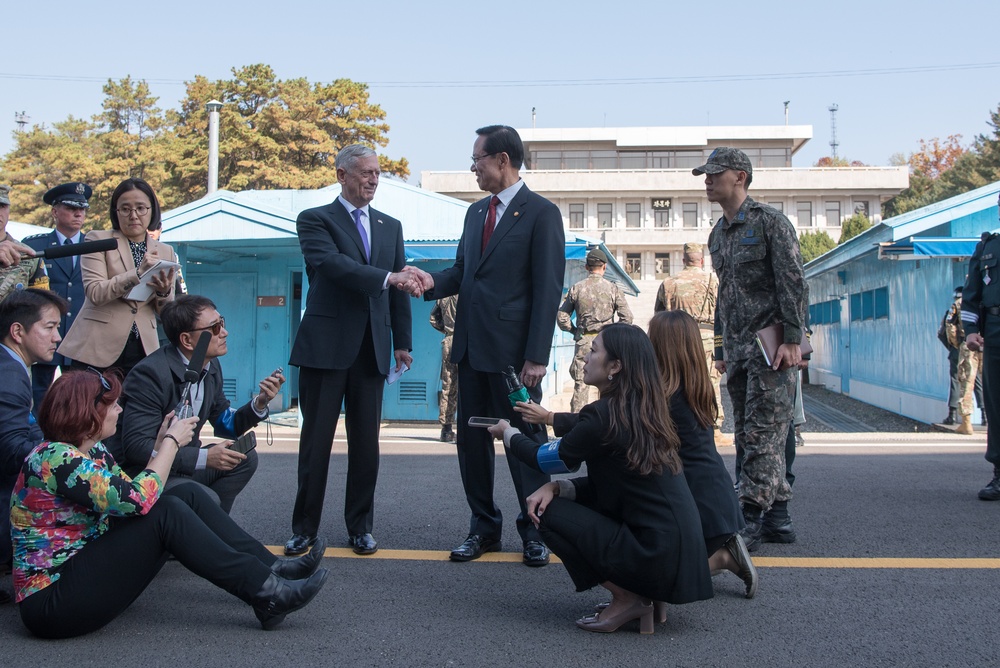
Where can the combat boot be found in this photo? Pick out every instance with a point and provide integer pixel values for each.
(447, 435)
(776, 525)
(752, 533)
(952, 417)
(966, 427)
(992, 491)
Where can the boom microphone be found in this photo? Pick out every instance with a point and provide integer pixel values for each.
(82, 248)
(191, 376)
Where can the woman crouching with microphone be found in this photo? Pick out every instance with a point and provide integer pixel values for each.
(631, 524)
(88, 539)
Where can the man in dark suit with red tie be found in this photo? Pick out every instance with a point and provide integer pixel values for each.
(508, 274)
(69, 202)
(357, 320)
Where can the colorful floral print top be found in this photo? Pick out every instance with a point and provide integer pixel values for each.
(62, 500)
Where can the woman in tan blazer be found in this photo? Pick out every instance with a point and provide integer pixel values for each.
(110, 330)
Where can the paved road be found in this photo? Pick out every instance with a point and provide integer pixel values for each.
(896, 565)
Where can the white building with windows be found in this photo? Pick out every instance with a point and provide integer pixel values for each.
(633, 187)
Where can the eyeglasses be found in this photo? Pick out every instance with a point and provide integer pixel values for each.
(140, 211)
(475, 160)
(216, 327)
(105, 385)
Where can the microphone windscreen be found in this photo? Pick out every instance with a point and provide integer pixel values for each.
(77, 249)
(193, 372)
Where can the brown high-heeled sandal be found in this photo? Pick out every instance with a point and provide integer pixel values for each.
(659, 610)
(599, 623)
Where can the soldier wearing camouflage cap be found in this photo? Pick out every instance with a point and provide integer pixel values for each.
(694, 291)
(755, 252)
(18, 271)
(596, 300)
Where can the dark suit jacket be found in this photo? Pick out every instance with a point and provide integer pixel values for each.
(19, 434)
(345, 291)
(151, 390)
(509, 294)
(64, 279)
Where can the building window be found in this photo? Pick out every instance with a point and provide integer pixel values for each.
(661, 219)
(780, 206)
(870, 305)
(576, 159)
(881, 303)
(688, 159)
(605, 216)
(690, 211)
(576, 217)
(633, 214)
(833, 214)
(547, 160)
(662, 265)
(632, 160)
(862, 207)
(633, 265)
(716, 212)
(804, 213)
(604, 160)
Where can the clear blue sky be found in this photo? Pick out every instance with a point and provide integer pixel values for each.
(429, 64)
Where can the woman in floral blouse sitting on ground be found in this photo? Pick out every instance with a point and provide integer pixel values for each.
(74, 512)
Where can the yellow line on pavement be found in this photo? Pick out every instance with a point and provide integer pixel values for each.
(760, 562)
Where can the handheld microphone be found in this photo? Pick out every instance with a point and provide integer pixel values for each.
(81, 248)
(191, 376)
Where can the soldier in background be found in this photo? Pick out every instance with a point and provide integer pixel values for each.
(596, 300)
(27, 271)
(694, 291)
(443, 320)
(961, 362)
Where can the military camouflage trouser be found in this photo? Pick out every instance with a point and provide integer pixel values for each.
(581, 391)
(448, 399)
(762, 409)
(708, 341)
(968, 368)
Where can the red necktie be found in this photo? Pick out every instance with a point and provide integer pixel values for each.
(491, 221)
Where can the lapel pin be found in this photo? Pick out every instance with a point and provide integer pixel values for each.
(515, 214)
(379, 221)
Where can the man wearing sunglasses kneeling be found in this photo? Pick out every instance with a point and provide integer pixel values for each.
(155, 386)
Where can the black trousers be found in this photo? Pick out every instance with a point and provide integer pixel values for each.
(321, 393)
(991, 396)
(100, 581)
(485, 395)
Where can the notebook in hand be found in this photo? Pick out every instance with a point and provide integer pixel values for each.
(769, 338)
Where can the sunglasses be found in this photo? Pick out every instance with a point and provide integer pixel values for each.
(216, 327)
(105, 385)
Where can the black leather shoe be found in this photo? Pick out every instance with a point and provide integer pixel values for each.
(752, 533)
(777, 529)
(297, 568)
(447, 435)
(363, 543)
(535, 554)
(992, 491)
(474, 547)
(741, 555)
(298, 544)
(952, 417)
(278, 597)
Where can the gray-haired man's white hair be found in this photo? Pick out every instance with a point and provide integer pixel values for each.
(351, 153)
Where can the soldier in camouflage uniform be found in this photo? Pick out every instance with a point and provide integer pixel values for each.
(443, 320)
(595, 300)
(981, 320)
(966, 368)
(761, 282)
(694, 291)
(27, 272)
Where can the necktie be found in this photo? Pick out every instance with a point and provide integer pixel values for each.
(361, 230)
(491, 221)
(69, 242)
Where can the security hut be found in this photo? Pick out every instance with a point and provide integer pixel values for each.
(876, 301)
(241, 250)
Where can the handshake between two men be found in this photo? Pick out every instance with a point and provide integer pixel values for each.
(415, 282)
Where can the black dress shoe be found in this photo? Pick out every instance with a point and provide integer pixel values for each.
(299, 544)
(300, 567)
(992, 490)
(535, 554)
(363, 543)
(278, 597)
(474, 547)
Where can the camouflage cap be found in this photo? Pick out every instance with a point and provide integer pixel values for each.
(596, 257)
(724, 158)
(4, 194)
(70, 194)
(693, 249)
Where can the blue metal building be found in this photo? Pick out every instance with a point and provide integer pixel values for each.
(876, 301)
(241, 250)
